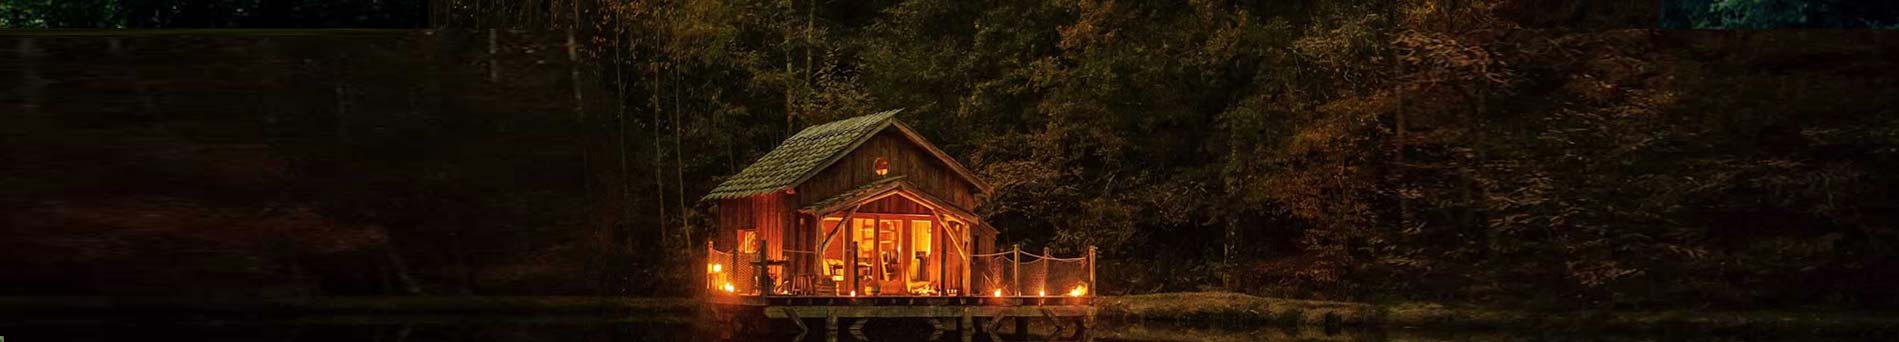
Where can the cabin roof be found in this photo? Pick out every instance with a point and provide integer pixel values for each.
(811, 150)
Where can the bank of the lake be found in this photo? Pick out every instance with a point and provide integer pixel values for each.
(1241, 309)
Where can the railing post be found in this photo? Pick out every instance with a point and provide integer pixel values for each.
(1046, 255)
(968, 236)
(761, 276)
(732, 266)
(850, 267)
(1093, 287)
(1015, 271)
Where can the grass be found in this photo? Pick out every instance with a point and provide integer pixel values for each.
(1233, 308)
(1428, 315)
(1219, 308)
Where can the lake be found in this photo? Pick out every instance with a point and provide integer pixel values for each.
(521, 328)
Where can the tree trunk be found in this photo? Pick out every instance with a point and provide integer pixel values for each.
(679, 164)
(790, 127)
(494, 65)
(659, 170)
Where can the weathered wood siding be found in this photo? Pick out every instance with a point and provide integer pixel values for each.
(771, 214)
(895, 205)
(917, 166)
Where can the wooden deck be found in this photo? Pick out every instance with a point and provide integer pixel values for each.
(966, 314)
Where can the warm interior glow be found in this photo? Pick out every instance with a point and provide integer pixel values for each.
(1080, 290)
(853, 293)
(998, 292)
(729, 288)
(716, 268)
(1041, 293)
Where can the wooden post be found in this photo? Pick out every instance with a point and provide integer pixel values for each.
(1046, 255)
(762, 274)
(942, 257)
(1093, 288)
(734, 265)
(1015, 272)
(830, 325)
(968, 252)
(850, 264)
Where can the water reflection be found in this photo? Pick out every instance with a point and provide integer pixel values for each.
(521, 328)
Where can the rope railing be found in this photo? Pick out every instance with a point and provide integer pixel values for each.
(726, 272)
(1018, 273)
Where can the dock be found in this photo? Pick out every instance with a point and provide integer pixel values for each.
(968, 315)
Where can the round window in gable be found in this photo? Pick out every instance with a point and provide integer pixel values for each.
(882, 167)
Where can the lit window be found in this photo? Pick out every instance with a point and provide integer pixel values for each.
(883, 167)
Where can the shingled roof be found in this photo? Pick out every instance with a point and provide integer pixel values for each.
(815, 148)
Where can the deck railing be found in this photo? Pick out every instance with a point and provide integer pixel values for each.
(1016, 273)
(1011, 273)
(729, 273)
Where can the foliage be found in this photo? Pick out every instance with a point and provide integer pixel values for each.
(1770, 14)
(1404, 150)
(211, 13)
(61, 13)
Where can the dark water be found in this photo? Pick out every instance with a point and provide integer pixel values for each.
(520, 328)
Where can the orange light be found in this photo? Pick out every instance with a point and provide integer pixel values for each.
(853, 293)
(1041, 293)
(716, 268)
(1080, 290)
(998, 293)
(729, 288)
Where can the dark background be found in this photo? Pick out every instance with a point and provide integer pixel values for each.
(1499, 152)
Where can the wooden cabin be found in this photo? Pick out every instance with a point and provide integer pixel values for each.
(862, 206)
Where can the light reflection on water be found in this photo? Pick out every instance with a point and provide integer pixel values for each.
(523, 328)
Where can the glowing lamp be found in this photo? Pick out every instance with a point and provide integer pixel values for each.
(998, 293)
(1041, 293)
(853, 293)
(729, 288)
(716, 268)
(1080, 290)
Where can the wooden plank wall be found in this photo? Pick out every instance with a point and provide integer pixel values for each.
(916, 165)
(894, 204)
(772, 215)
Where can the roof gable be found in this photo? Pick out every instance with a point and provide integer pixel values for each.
(803, 155)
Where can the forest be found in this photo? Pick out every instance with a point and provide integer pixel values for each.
(1514, 152)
